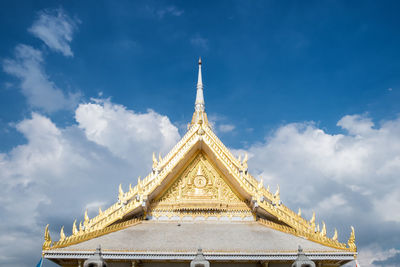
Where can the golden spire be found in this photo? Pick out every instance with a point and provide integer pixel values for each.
(299, 212)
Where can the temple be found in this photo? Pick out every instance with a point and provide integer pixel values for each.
(199, 206)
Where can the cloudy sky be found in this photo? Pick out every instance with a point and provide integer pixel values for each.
(89, 89)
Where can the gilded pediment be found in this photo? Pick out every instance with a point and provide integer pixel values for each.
(200, 186)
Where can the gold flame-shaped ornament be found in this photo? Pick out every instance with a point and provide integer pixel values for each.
(47, 238)
(245, 166)
(334, 237)
(155, 163)
(352, 240)
(277, 195)
(299, 212)
(323, 231)
(86, 221)
(74, 229)
(120, 192)
(62, 235)
(261, 183)
(312, 221)
(100, 211)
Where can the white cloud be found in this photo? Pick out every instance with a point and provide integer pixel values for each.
(199, 41)
(170, 10)
(103, 121)
(55, 28)
(36, 86)
(349, 178)
(219, 125)
(373, 254)
(61, 171)
(226, 128)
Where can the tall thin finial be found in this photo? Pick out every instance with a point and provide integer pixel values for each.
(199, 105)
(199, 115)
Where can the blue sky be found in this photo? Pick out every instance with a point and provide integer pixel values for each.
(316, 80)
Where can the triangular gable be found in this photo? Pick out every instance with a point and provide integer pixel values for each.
(199, 187)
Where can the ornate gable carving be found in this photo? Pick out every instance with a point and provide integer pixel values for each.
(200, 187)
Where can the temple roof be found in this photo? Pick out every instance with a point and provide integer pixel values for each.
(199, 178)
(189, 236)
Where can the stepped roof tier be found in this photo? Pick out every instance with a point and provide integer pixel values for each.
(199, 195)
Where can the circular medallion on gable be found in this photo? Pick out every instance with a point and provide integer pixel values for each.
(200, 181)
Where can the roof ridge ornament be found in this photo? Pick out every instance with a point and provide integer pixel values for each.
(199, 104)
(199, 116)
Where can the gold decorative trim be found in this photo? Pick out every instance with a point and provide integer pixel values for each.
(243, 214)
(314, 236)
(72, 240)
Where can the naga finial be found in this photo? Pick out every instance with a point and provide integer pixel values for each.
(261, 183)
(352, 239)
(100, 211)
(245, 166)
(323, 231)
(86, 218)
(299, 212)
(120, 192)
(277, 196)
(74, 229)
(159, 157)
(277, 192)
(268, 188)
(155, 163)
(312, 221)
(334, 237)
(62, 235)
(47, 238)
